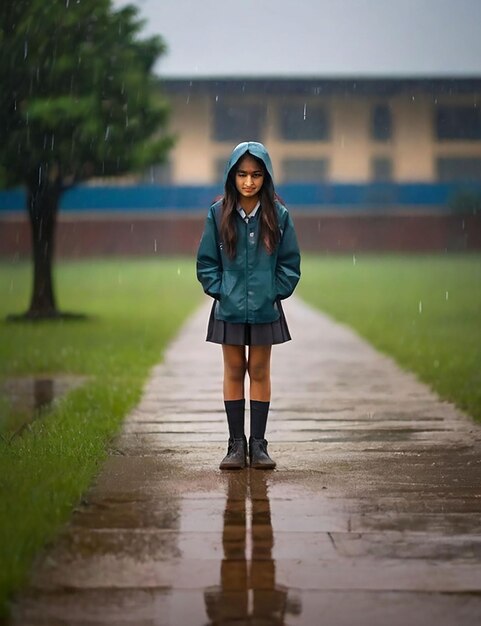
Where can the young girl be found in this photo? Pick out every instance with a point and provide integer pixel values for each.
(248, 261)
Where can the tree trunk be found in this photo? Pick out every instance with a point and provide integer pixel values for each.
(43, 202)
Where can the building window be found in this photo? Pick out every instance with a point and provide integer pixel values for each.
(305, 170)
(462, 123)
(451, 169)
(381, 123)
(304, 122)
(238, 122)
(381, 169)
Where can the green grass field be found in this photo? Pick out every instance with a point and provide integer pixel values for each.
(425, 311)
(135, 307)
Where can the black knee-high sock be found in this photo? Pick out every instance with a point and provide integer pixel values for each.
(259, 413)
(235, 417)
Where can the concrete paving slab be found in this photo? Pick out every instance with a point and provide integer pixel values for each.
(373, 515)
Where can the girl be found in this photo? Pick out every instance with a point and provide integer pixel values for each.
(248, 261)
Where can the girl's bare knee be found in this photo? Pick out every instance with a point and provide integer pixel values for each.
(258, 373)
(235, 373)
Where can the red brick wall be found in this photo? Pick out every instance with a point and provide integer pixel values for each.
(122, 234)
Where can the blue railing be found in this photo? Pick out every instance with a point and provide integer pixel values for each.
(188, 198)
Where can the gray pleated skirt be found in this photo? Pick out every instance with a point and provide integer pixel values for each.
(241, 334)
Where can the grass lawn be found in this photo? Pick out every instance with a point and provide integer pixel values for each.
(425, 311)
(136, 307)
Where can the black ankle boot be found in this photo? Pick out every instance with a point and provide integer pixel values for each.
(259, 459)
(236, 454)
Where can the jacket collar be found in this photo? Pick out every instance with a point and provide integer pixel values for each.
(252, 214)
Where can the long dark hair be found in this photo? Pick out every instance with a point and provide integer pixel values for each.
(268, 216)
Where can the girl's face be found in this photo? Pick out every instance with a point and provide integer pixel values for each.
(249, 177)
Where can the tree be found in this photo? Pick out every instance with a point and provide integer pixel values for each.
(78, 100)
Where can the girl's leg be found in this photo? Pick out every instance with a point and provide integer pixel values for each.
(259, 368)
(235, 366)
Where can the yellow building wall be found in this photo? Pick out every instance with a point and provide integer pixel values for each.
(350, 149)
(413, 140)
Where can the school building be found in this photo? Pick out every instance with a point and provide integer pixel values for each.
(368, 164)
(328, 131)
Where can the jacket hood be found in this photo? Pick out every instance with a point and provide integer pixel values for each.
(253, 147)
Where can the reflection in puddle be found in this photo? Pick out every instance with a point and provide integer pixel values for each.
(248, 588)
(42, 393)
(25, 398)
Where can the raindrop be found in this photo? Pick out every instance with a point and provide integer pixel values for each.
(52, 143)
(131, 228)
(217, 98)
(188, 99)
(305, 111)
(39, 174)
(354, 259)
(155, 245)
(14, 105)
(25, 49)
(107, 133)
(67, 2)
(178, 271)
(412, 98)
(420, 306)
(447, 295)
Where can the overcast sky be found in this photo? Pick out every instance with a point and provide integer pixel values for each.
(248, 38)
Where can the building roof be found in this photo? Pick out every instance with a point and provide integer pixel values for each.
(316, 38)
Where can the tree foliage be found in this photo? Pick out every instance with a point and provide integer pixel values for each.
(78, 99)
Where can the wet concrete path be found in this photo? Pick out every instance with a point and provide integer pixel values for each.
(373, 515)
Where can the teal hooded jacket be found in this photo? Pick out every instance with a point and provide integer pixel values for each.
(248, 286)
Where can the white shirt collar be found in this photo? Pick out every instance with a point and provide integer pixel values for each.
(244, 215)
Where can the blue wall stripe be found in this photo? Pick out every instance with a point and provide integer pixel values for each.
(162, 198)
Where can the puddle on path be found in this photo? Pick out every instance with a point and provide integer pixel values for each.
(164, 542)
(25, 398)
(248, 587)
